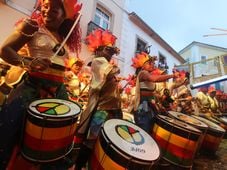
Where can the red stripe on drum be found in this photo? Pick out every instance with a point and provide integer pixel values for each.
(46, 145)
(95, 164)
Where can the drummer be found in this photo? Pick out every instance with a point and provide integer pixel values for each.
(146, 106)
(203, 101)
(40, 35)
(104, 100)
(214, 105)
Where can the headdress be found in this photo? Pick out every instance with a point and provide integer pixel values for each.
(140, 59)
(71, 61)
(211, 89)
(98, 39)
(71, 7)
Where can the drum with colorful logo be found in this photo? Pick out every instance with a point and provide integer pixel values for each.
(191, 121)
(123, 145)
(178, 141)
(49, 129)
(213, 136)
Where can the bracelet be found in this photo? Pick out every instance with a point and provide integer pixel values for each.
(24, 34)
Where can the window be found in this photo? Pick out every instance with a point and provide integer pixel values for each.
(140, 46)
(203, 59)
(102, 19)
(162, 63)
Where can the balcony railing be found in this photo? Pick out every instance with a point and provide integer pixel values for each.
(207, 71)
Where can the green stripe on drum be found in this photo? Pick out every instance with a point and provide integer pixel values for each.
(41, 156)
(185, 163)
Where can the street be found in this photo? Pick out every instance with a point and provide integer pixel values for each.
(213, 162)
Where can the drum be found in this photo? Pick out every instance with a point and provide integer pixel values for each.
(123, 145)
(49, 129)
(193, 122)
(178, 141)
(221, 121)
(213, 136)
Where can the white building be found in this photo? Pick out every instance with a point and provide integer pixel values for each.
(132, 32)
(208, 63)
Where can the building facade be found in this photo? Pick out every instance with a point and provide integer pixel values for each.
(133, 34)
(207, 64)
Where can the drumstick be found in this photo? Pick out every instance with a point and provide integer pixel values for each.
(66, 38)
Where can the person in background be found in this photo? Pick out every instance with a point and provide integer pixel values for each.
(203, 101)
(72, 81)
(40, 36)
(214, 105)
(146, 105)
(104, 95)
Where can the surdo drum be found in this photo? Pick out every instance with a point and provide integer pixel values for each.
(123, 145)
(191, 121)
(178, 141)
(49, 129)
(213, 136)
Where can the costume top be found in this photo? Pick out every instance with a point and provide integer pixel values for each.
(42, 45)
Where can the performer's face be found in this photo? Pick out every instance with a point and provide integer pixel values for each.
(52, 13)
(149, 66)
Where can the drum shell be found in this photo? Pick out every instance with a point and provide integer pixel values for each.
(48, 138)
(108, 156)
(203, 127)
(178, 144)
(212, 138)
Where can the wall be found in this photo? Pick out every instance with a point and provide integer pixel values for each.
(130, 32)
(8, 17)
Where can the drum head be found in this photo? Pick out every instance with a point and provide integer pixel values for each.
(188, 119)
(210, 124)
(54, 108)
(131, 139)
(179, 124)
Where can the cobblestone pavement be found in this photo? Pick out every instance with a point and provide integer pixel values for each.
(213, 162)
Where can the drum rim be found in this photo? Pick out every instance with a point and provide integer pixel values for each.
(76, 114)
(221, 131)
(192, 129)
(123, 156)
(197, 126)
(123, 153)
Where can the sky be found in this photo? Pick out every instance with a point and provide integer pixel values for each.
(180, 22)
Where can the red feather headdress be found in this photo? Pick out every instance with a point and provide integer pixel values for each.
(140, 59)
(99, 38)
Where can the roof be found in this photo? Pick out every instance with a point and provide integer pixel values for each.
(203, 45)
(147, 29)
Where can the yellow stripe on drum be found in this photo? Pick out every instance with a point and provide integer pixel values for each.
(174, 139)
(49, 133)
(105, 161)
